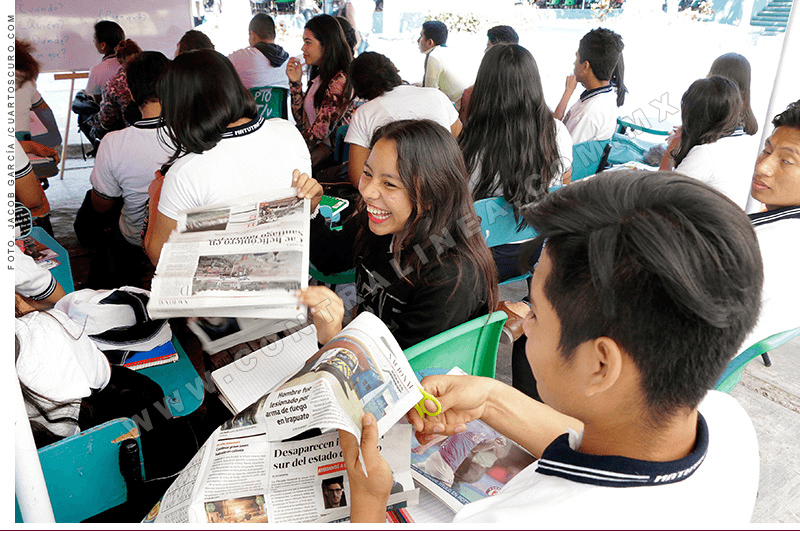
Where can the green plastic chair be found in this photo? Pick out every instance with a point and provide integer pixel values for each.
(586, 157)
(271, 101)
(182, 385)
(733, 373)
(472, 346)
(82, 472)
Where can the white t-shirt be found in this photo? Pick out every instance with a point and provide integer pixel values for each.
(22, 165)
(778, 232)
(727, 165)
(58, 360)
(255, 70)
(102, 73)
(441, 71)
(601, 491)
(256, 157)
(27, 96)
(564, 144)
(594, 116)
(125, 166)
(401, 103)
(31, 280)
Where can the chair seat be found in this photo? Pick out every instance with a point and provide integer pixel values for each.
(182, 386)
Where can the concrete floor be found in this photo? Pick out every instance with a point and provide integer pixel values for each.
(770, 395)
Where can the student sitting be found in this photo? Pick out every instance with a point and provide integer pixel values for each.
(222, 148)
(776, 183)
(647, 284)
(713, 147)
(124, 168)
(116, 109)
(600, 69)
(512, 145)
(263, 63)
(421, 266)
(440, 67)
(376, 79)
(193, 40)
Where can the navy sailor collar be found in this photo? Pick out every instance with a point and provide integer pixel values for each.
(588, 94)
(738, 132)
(773, 215)
(619, 472)
(148, 123)
(242, 130)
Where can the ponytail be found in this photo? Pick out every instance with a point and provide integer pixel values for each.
(617, 79)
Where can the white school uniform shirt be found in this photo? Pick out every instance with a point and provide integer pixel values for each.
(400, 103)
(256, 71)
(594, 116)
(125, 166)
(442, 71)
(727, 165)
(27, 97)
(715, 485)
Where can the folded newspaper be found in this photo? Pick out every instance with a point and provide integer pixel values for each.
(257, 466)
(467, 466)
(247, 258)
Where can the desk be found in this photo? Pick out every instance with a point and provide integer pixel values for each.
(63, 271)
(182, 386)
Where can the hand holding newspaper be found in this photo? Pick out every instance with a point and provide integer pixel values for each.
(245, 258)
(258, 462)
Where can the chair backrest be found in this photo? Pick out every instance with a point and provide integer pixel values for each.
(472, 346)
(498, 225)
(182, 385)
(733, 373)
(586, 157)
(82, 472)
(271, 101)
(341, 149)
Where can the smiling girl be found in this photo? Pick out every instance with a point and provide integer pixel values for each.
(421, 263)
(327, 99)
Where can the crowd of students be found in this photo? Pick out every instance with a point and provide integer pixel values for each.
(645, 284)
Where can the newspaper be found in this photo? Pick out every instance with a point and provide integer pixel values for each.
(254, 463)
(247, 258)
(467, 466)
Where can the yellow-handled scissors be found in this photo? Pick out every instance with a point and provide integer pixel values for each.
(420, 406)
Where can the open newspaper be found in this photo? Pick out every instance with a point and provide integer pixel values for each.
(245, 258)
(466, 466)
(259, 463)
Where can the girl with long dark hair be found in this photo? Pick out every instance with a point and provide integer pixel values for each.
(222, 148)
(326, 102)
(513, 146)
(421, 263)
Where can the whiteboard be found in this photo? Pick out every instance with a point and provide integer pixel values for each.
(61, 30)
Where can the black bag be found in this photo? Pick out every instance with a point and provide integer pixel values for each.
(83, 105)
(95, 229)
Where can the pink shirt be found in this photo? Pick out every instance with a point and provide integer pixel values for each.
(308, 103)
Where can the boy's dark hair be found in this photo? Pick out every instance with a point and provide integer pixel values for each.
(263, 26)
(373, 74)
(502, 34)
(710, 109)
(664, 265)
(602, 48)
(789, 117)
(143, 73)
(435, 30)
(109, 32)
(194, 40)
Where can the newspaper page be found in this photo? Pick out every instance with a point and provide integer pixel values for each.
(247, 258)
(241, 477)
(467, 466)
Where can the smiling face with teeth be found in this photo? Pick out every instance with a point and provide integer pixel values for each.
(387, 200)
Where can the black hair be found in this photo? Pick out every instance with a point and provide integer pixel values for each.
(433, 174)
(373, 74)
(24, 63)
(109, 32)
(331, 481)
(435, 30)
(510, 136)
(602, 48)
(194, 40)
(349, 33)
(200, 96)
(789, 117)
(263, 26)
(502, 34)
(143, 73)
(737, 68)
(336, 56)
(710, 110)
(664, 265)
